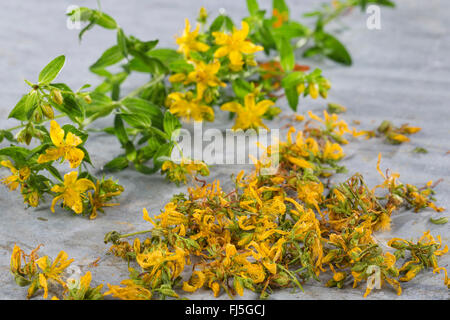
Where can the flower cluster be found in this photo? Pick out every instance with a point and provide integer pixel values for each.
(280, 230)
(212, 60)
(65, 144)
(39, 273)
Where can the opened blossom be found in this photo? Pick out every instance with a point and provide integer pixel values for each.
(71, 192)
(248, 115)
(63, 148)
(189, 40)
(234, 46)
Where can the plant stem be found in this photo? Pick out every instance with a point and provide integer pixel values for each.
(134, 233)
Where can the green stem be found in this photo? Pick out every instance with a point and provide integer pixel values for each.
(134, 233)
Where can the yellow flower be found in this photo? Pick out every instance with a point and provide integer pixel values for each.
(332, 151)
(400, 138)
(52, 271)
(313, 90)
(63, 148)
(234, 46)
(249, 115)
(339, 276)
(204, 76)
(71, 192)
(183, 105)
(32, 198)
(188, 41)
(18, 177)
(196, 281)
(299, 162)
(132, 291)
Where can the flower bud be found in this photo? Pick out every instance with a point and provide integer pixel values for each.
(47, 110)
(57, 96)
(37, 115)
(24, 136)
(384, 126)
(202, 15)
(301, 88)
(336, 108)
(313, 90)
(87, 98)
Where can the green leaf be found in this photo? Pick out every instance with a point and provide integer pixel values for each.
(130, 151)
(181, 66)
(111, 56)
(119, 130)
(141, 106)
(253, 7)
(51, 70)
(292, 79)
(281, 6)
(101, 106)
(122, 42)
(31, 102)
(287, 57)
(241, 88)
(170, 124)
(138, 121)
(117, 164)
(104, 20)
(18, 154)
(54, 172)
(292, 97)
(19, 111)
(165, 55)
(217, 24)
(442, 220)
(164, 152)
(154, 64)
(71, 106)
(333, 48)
(70, 128)
(144, 169)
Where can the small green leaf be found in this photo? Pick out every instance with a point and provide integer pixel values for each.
(54, 172)
(333, 48)
(51, 70)
(281, 6)
(122, 42)
(442, 220)
(217, 24)
(104, 20)
(253, 7)
(420, 150)
(292, 79)
(31, 102)
(164, 152)
(292, 97)
(117, 164)
(111, 56)
(241, 88)
(119, 130)
(19, 112)
(287, 57)
(170, 123)
(138, 121)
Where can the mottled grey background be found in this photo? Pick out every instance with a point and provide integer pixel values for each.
(400, 73)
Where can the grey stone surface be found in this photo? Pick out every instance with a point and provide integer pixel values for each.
(400, 73)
